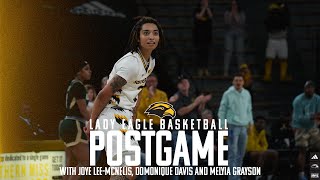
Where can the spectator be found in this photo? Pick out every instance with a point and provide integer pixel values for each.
(207, 95)
(104, 81)
(283, 135)
(235, 21)
(29, 129)
(236, 108)
(173, 98)
(150, 94)
(277, 23)
(186, 109)
(306, 115)
(207, 115)
(91, 96)
(202, 35)
(257, 149)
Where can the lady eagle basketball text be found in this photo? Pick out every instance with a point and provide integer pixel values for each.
(167, 156)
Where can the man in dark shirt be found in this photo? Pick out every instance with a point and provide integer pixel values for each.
(188, 109)
(28, 128)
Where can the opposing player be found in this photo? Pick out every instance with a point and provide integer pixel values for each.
(71, 128)
(117, 100)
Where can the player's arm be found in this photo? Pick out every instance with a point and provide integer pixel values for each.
(104, 96)
(79, 92)
(136, 108)
(83, 108)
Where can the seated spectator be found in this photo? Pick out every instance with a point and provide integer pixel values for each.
(29, 129)
(206, 114)
(150, 94)
(283, 135)
(258, 152)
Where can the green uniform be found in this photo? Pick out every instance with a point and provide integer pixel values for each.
(71, 128)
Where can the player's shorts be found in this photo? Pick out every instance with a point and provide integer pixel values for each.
(71, 131)
(117, 114)
(277, 48)
(308, 138)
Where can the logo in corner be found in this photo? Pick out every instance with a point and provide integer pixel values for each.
(314, 175)
(314, 156)
(161, 109)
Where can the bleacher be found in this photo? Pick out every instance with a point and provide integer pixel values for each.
(272, 100)
(176, 17)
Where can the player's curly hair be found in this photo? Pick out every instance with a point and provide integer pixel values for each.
(133, 43)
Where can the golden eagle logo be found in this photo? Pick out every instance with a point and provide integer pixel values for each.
(161, 109)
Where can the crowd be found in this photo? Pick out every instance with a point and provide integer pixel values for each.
(248, 140)
(235, 37)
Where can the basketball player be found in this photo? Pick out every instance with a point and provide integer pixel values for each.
(71, 128)
(117, 100)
